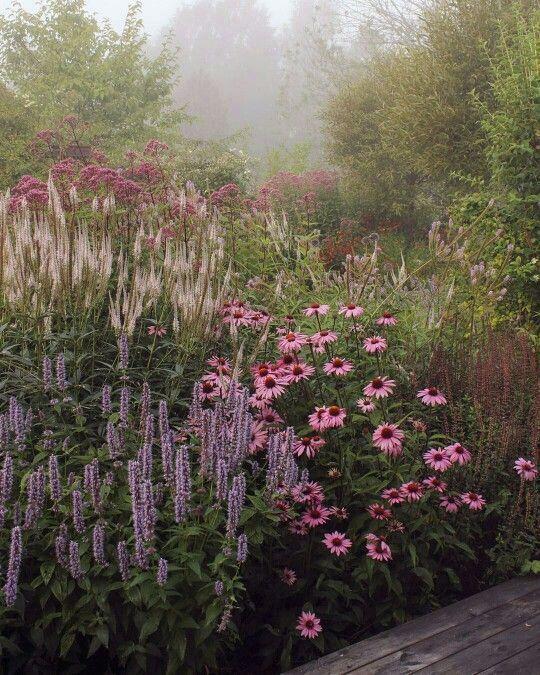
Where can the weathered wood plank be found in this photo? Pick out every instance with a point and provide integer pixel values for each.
(427, 654)
(492, 651)
(406, 634)
(527, 661)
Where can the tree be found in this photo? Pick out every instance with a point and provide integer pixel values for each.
(61, 61)
(230, 69)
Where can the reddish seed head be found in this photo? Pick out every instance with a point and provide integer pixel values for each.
(386, 432)
(333, 410)
(351, 307)
(433, 391)
(269, 382)
(377, 383)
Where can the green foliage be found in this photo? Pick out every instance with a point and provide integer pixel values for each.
(406, 127)
(61, 61)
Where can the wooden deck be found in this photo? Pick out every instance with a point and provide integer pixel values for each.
(496, 632)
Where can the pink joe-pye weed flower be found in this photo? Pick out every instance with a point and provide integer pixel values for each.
(309, 625)
(473, 500)
(375, 344)
(316, 310)
(431, 396)
(393, 496)
(386, 319)
(437, 459)
(380, 387)
(379, 512)
(526, 468)
(450, 503)
(337, 543)
(377, 548)
(291, 342)
(335, 417)
(308, 445)
(389, 439)
(351, 311)
(458, 454)
(434, 483)
(412, 491)
(365, 405)
(339, 367)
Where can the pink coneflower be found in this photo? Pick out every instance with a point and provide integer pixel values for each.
(338, 367)
(393, 496)
(375, 344)
(458, 454)
(269, 416)
(158, 331)
(366, 405)
(337, 543)
(291, 342)
(379, 512)
(309, 625)
(378, 549)
(388, 438)
(351, 311)
(474, 500)
(317, 419)
(288, 576)
(256, 400)
(298, 527)
(316, 515)
(286, 361)
(316, 310)
(334, 417)
(450, 503)
(310, 445)
(220, 364)
(321, 339)
(303, 493)
(419, 426)
(412, 491)
(208, 390)
(257, 319)
(437, 459)
(298, 372)
(380, 387)
(259, 438)
(270, 387)
(526, 468)
(434, 483)
(238, 317)
(386, 319)
(431, 396)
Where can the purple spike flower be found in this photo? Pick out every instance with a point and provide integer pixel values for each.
(46, 370)
(182, 484)
(54, 479)
(146, 402)
(106, 404)
(222, 480)
(92, 483)
(166, 443)
(61, 381)
(123, 560)
(36, 497)
(148, 510)
(61, 546)
(162, 572)
(98, 544)
(75, 561)
(235, 503)
(113, 441)
(219, 588)
(78, 518)
(14, 566)
(123, 351)
(124, 406)
(242, 548)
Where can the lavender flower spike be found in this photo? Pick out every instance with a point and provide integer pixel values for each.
(162, 572)
(75, 561)
(14, 566)
(61, 380)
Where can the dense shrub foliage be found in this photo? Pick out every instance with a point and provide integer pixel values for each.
(221, 446)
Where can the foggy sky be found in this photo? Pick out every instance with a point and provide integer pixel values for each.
(155, 13)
